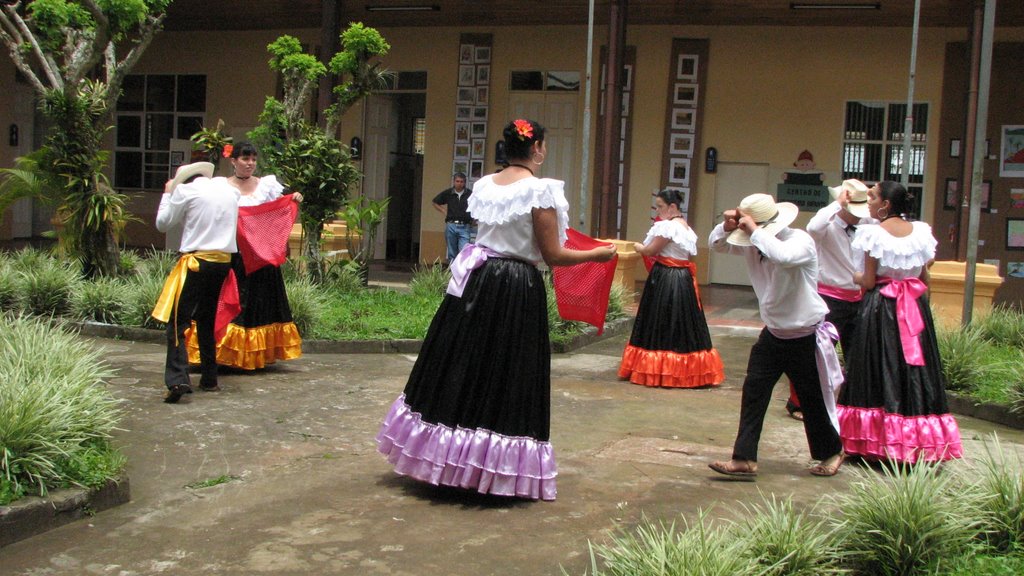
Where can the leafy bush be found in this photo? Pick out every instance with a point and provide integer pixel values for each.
(47, 289)
(1004, 326)
(999, 489)
(141, 295)
(54, 408)
(157, 263)
(429, 280)
(907, 520)
(102, 300)
(960, 349)
(307, 302)
(8, 288)
(656, 550)
(785, 542)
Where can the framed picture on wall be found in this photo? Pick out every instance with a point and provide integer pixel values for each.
(476, 169)
(479, 149)
(1015, 233)
(684, 94)
(466, 96)
(463, 112)
(1015, 269)
(483, 54)
(460, 166)
(480, 113)
(483, 74)
(466, 54)
(462, 151)
(482, 94)
(952, 197)
(462, 132)
(467, 75)
(684, 118)
(679, 171)
(681, 144)
(686, 68)
(479, 130)
(1011, 157)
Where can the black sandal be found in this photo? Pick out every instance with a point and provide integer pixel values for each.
(174, 393)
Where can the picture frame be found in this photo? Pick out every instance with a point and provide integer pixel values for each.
(954, 147)
(1015, 269)
(684, 118)
(462, 151)
(476, 169)
(460, 166)
(465, 96)
(467, 75)
(177, 158)
(479, 148)
(482, 54)
(462, 132)
(463, 112)
(952, 195)
(679, 171)
(478, 130)
(686, 67)
(482, 95)
(466, 54)
(483, 74)
(1015, 233)
(480, 113)
(684, 94)
(1011, 157)
(681, 144)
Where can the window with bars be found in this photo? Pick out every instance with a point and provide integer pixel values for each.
(152, 110)
(873, 142)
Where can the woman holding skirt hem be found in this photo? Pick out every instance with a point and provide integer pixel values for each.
(670, 345)
(475, 413)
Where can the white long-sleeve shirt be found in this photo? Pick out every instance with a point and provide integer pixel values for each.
(837, 260)
(785, 280)
(206, 211)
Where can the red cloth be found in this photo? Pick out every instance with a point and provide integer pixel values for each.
(263, 232)
(228, 305)
(582, 290)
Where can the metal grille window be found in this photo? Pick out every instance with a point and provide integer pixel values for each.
(873, 144)
(152, 110)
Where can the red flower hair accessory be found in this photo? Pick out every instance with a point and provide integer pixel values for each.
(228, 149)
(523, 128)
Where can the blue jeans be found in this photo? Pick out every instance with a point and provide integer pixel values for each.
(457, 236)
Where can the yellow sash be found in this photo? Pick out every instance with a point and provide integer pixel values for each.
(168, 300)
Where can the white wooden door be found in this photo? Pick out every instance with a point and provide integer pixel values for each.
(733, 182)
(559, 113)
(381, 139)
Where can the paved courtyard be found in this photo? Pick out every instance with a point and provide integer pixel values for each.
(308, 494)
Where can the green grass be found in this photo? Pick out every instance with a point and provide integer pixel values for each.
(375, 314)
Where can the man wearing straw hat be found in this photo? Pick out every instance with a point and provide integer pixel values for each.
(783, 267)
(207, 214)
(832, 229)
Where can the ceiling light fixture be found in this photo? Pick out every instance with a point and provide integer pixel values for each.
(414, 8)
(835, 6)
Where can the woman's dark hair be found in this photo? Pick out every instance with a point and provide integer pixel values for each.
(519, 136)
(671, 196)
(244, 149)
(898, 196)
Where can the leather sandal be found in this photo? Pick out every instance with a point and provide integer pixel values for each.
(824, 469)
(735, 468)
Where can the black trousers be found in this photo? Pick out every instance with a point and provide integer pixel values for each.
(198, 301)
(770, 358)
(843, 315)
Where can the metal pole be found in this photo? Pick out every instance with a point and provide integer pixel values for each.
(585, 169)
(984, 84)
(908, 124)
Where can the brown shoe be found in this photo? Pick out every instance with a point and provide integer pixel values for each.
(174, 393)
(829, 466)
(735, 468)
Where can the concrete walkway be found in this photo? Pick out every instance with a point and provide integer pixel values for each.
(309, 495)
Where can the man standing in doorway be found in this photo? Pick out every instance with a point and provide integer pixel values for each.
(453, 203)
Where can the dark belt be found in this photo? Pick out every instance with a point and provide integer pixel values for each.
(465, 222)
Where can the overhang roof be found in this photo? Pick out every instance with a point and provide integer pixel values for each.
(260, 15)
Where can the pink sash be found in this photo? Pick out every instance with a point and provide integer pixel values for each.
(844, 294)
(908, 315)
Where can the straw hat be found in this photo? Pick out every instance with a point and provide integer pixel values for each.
(771, 215)
(858, 192)
(186, 171)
